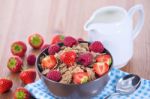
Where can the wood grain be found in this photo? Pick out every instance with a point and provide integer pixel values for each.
(19, 18)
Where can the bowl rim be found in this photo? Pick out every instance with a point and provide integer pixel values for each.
(37, 69)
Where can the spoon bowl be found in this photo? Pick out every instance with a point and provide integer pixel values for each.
(126, 85)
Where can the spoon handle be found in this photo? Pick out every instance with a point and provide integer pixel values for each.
(113, 94)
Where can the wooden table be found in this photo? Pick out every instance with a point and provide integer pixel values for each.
(19, 18)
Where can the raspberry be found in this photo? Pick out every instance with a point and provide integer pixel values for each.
(53, 49)
(54, 75)
(69, 41)
(85, 59)
(44, 47)
(31, 59)
(97, 46)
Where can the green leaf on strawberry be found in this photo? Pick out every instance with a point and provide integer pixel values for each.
(15, 64)
(22, 93)
(36, 40)
(18, 48)
(80, 77)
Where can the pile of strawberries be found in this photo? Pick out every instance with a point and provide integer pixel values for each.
(16, 65)
(91, 57)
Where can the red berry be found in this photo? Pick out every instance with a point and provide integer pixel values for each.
(54, 75)
(85, 59)
(15, 64)
(48, 62)
(104, 58)
(53, 49)
(44, 47)
(28, 76)
(18, 48)
(22, 93)
(31, 59)
(57, 39)
(80, 77)
(97, 46)
(69, 41)
(5, 85)
(36, 41)
(100, 68)
(68, 57)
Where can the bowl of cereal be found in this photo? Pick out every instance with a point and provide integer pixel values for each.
(74, 68)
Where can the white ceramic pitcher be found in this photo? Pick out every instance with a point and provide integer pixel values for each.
(113, 26)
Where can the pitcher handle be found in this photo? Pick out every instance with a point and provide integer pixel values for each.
(137, 8)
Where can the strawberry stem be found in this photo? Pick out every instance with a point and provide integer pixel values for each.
(17, 48)
(20, 95)
(84, 80)
(36, 40)
(12, 62)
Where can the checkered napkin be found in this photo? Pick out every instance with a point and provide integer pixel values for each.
(40, 91)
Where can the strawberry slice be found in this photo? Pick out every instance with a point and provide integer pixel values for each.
(49, 62)
(80, 77)
(68, 58)
(100, 68)
(104, 58)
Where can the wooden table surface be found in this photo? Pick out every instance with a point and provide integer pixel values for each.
(19, 18)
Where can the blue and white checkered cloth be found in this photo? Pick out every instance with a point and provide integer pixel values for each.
(40, 91)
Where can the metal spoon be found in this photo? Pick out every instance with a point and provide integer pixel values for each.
(126, 85)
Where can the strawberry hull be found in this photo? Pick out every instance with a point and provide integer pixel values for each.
(85, 90)
(15, 64)
(35, 40)
(18, 48)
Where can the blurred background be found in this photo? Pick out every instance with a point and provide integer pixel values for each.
(19, 18)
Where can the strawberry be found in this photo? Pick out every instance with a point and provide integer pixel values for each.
(18, 48)
(104, 58)
(68, 57)
(35, 40)
(5, 85)
(14, 64)
(80, 77)
(57, 39)
(100, 68)
(49, 62)
(22, 93)
(28, 76)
